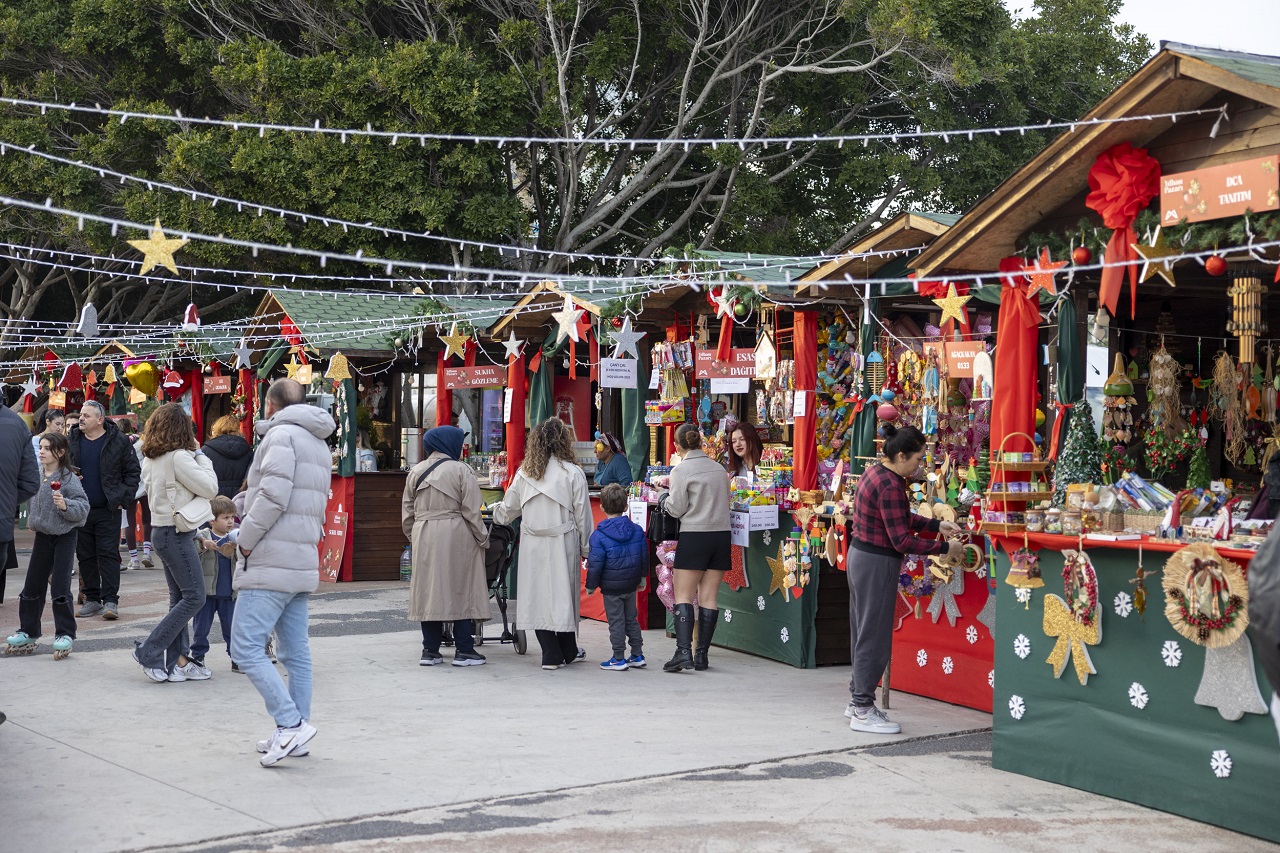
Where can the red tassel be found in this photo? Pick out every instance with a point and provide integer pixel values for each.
(1120, 251)
(1055, 443)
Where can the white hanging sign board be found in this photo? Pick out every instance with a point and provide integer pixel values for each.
(618, 373)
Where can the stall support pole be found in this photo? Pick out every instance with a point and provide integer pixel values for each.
(805, 344)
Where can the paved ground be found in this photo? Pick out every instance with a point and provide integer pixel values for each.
(751, 755)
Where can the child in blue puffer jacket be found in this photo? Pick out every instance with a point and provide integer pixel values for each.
(618, 565)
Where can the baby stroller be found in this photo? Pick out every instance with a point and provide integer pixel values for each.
(498, 562)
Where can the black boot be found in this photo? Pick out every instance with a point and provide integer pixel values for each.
(706, 629)
(683, 658)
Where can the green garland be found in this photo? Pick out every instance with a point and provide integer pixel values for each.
(1199, 237)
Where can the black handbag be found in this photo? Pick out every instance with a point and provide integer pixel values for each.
(663, 527)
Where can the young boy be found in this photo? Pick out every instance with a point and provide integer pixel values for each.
(618, 565)
(217, 545)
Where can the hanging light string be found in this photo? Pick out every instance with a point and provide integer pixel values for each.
(656, 142)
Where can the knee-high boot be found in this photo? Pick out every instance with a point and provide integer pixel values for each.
(683, 658)
(706, 629)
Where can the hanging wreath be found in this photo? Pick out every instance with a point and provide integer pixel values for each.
(1206, 596)
(1080, 583)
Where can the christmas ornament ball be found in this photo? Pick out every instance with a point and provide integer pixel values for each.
(740, 310)
(399, 342)
(1040, 417)
(1215, 265)
(1082, 255)
(616, 322)
(887, 394)
(887, 412)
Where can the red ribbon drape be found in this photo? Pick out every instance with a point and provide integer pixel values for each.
(444, 397)
(1014, 408)
(517, 386)
(805, 473)
(1059, 422)
(244, 382)
(1122, 182)
(197, 400)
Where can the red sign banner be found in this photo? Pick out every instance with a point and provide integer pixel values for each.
(334, 541)
(217, 385)
(741, 365)
(1220, 191)
(481, 376)
(960, 357)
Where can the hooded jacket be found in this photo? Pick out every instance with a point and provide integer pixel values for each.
(619, 558)
(231, 456)
(120, 470)
(284, 507)
(19, 474)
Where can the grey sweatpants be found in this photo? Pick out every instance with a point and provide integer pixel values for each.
(873, 583)
(620, 610)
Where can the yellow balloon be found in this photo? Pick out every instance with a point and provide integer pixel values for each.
(144, 377)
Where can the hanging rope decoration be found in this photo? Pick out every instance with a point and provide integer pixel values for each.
(1247, 319)
(1228, 407)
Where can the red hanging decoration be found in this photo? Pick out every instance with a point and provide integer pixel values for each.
(1122, 182)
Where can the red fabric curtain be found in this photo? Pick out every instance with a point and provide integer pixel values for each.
(1014, 407)
(805, 473)
(444, 398)
(517, 383)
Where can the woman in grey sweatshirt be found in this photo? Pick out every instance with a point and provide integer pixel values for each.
(57, 510)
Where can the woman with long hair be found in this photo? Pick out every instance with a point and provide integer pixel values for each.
(175, 472)
(549, 494)
(699, 497)
(745, 450)
(57, 510)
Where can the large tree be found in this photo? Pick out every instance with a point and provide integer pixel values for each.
(616, 70)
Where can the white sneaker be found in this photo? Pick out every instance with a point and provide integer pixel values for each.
(193, 671)
(146, 559)
(285, 741)
(298, 751)
(134, 565)
(154, 673)
(848, 711)
(177, 674)
(873, 722)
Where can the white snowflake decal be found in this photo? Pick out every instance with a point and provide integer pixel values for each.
(1022, 594)
(1021, 646)
(1171, 652)
(1220, 761)
(971, 634)
(980, 573)
(767, 536)
(922, 657)
(991, 678)
(948, 665)
(1123, 604)
(759, 602)
(785, 634)
(1017, 707)
(728, 615)
(1138, 696)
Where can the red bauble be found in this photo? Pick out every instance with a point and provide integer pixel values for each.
(1081, 256)
(1215, 265)
(887, 412)
(617, 322)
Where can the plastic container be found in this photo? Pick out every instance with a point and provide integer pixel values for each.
(406, 564)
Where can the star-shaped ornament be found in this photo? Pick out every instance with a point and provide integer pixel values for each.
(454, 343)
(779, 572)
(724, 303)
(1155, 257)
(31, 387)
(157, 250)
(567, 321)
(952, 305)
(625, 340)
(242, 355)
(1042, 272)
(513, 346)
(292, 368)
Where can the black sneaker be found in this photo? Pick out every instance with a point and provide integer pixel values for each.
(468, 659)
(235, 667)
(430, 658)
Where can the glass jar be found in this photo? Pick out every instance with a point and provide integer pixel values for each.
(1072, 525)
(1035, 520)
(1053, 520)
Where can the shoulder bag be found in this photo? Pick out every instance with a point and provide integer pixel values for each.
(194, 512)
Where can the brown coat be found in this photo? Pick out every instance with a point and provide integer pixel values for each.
(441, 517)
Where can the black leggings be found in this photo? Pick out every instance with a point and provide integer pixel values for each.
(557, 647)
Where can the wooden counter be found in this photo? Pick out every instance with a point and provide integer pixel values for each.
(377, 540)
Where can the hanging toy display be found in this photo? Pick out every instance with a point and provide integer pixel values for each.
(1117, 417)
(1076, 623)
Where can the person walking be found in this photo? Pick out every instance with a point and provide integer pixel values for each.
(882, 530)
(19, 479)
(55, 511)
(110, 473)
(699, 497)
(549, 494)
(440, 514)
(279, 564)
(230, 454)
(180, 483)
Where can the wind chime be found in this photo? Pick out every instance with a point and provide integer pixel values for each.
(1247, 320)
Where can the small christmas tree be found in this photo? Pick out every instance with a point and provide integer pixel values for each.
(1081, 458)
(1198, 476)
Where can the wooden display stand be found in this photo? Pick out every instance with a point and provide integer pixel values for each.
(999, 468)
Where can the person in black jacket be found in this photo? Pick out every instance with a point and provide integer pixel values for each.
(230, 454)
(19, 480)
(110, 473)
(618, 565)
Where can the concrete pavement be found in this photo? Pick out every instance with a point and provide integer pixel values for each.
(750, 755)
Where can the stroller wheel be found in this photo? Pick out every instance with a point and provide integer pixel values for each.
(521, 643)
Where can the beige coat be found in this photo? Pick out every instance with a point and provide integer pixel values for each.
(442, 520)
(555, 536)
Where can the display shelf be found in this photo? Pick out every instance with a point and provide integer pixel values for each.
(1002, 529)
(998, 471)
(1021, 467)
(1019, 497)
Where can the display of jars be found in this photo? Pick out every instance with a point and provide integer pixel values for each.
(1072, 524)
(1053, 520)
(1035, 520)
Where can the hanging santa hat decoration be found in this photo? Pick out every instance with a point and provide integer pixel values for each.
(190, 318)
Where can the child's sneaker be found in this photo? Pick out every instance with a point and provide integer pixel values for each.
(636, 662)
(285, 741)
(614, 663)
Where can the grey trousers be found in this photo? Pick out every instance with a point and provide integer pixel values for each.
(182, 572)
(624, 626)
(873, 583)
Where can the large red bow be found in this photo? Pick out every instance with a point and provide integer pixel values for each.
(1122, 182)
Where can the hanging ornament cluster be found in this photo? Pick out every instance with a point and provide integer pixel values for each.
(1163, 390)
(1228, 407)
(1076, 622)
(1247, 318)
(1117, 416)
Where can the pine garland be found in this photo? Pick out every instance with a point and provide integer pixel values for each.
(1200, 237)
(1081, 458)
(1198, 476)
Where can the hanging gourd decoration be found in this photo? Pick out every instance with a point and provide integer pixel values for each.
(143, 376)
(1247, 322)
(887, 412)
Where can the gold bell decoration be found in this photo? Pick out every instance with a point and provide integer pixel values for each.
(1247, 319)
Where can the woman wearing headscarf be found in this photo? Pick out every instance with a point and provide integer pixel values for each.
(440, 514)
(613, 466)
(549, 493)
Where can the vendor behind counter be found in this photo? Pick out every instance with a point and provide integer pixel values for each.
(613, 467)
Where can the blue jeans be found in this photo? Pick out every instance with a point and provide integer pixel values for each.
(182, 572)
(258, 613)
(222, 606)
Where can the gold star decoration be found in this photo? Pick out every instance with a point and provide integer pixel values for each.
(292, 367)
(1155, 257)
(339, 368)
(779, 570)
(454, 343)
(157, 250)
(1042, 272)
(952, 305)
(567, 321)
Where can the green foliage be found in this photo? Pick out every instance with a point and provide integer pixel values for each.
(1198, 476)
(1080, 460)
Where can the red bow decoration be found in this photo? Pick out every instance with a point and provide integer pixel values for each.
(293, 337)
(1122, 182)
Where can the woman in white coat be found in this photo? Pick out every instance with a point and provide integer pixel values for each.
(549, 494)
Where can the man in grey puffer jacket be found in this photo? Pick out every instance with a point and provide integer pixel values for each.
(278, 569)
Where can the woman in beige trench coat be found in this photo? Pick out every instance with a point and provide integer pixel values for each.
(549, 493)
(441, 516)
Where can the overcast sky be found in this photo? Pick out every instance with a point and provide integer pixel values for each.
(1248, 25)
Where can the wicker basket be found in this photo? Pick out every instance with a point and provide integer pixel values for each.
(1113, 521)
(1147, 523)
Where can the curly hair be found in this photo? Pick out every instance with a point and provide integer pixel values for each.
(225, 425)
(548, 439)
(169, 428)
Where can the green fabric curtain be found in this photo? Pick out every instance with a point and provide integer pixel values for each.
(118, 402)
(1070, 358)
(542, 386)
(862, 438)
(635, 434)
